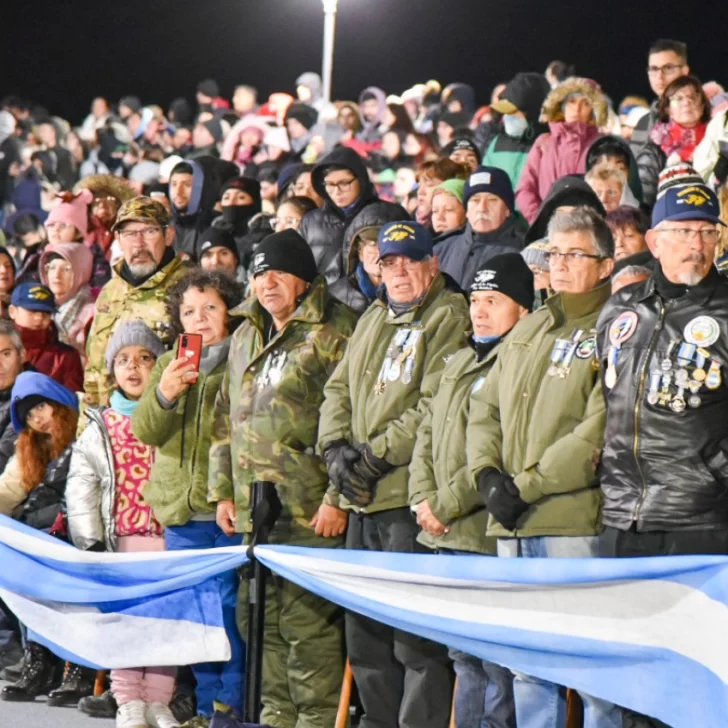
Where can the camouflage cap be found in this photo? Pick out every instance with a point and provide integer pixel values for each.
(142, 209)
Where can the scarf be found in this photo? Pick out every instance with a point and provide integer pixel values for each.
(68, 312)
(121, 404)
(671, 138)
(368, 289)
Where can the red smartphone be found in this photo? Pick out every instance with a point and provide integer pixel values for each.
(190, 346)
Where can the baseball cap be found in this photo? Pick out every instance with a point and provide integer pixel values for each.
(142, 209)
(687, 202)
(33, 296)
(404, 238)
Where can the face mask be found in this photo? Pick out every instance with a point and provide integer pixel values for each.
(237, 215)
(515, 125)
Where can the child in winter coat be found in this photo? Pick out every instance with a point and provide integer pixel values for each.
(32, 488)
(109, 470)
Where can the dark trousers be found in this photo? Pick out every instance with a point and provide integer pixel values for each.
(404, 681)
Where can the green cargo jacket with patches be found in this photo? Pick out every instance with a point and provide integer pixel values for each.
(267, 412)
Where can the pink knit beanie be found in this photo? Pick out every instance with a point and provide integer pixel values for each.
(73, 209)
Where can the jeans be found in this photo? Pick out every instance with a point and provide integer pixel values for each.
(541, 704)
(221, 682)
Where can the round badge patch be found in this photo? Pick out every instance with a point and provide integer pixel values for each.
(623, 328)
(586, 348)
(703, 331)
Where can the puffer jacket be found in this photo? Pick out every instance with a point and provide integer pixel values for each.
(661, 469)
(90, 489)
(347, 288)
(324, 229)
(8, 436)
(651, 162)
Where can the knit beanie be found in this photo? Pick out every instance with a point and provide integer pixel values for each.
(681, 173)
(132, 333)
(246, 184)
(535, 254)
(209, 87)
(217, 238)
(454, 187)
(507, 274)
(493, 180)
(302, 113)
(288, 252)
(458, 144)
(73, 210)
(214, 127)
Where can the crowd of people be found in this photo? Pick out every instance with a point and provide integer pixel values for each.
(434, 327)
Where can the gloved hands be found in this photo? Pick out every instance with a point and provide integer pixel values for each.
(340, 458)
(502, 497)
(369, 466)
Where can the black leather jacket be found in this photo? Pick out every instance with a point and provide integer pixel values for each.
(663, 468)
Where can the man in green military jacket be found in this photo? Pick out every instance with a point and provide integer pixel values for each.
(265, 425)
(138, 288)
(536, 431)
(449, 510)
(374, 403)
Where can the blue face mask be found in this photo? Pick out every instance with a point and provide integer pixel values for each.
(515, 126)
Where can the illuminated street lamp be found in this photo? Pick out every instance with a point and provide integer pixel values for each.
(329, 33)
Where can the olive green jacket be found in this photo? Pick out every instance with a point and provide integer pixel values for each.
(546, 431)
(177, 489)
(120, 301)
(267, 412)
(439, 469)
(381, 390)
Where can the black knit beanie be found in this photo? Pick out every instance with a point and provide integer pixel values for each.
(288, 252)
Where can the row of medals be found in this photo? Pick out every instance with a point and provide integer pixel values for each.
(272, 369)
(688, 384)
(563, 354)
(400, 359)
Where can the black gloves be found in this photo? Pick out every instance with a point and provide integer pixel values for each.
(502, 497)
(340, 458)
(369, 466)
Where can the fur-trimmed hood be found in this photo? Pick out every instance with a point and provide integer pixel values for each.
(115, 186)
(551, 109)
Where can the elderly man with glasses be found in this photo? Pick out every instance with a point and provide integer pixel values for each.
(373, 405)
(138, 288)
(536, 430)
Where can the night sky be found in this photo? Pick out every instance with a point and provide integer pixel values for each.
(61, 54)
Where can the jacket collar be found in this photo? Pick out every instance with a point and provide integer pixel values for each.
(568, 306)
(699, 294)
(502, 234)
(156, 278)
(436, 287)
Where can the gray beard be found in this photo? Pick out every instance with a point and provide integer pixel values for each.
(690, 278)
(139, 270)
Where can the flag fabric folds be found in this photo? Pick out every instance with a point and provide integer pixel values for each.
(648, 634)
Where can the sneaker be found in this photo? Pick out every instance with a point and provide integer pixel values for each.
(159, 715)
(103, 706)
(131, 715)
(199, 721)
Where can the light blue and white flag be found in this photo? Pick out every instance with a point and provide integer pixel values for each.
(116, 610)
(648, 634)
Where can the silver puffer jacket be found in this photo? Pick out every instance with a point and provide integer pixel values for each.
(90, 487)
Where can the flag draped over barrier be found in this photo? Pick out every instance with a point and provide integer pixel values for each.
(649, 634)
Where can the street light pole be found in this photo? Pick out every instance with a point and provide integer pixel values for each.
(329, 33)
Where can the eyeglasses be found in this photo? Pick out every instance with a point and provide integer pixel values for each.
(576, 257)
(148, 234)
(288, 221)
(394, 261)
(110, 199)
(145, 361)
(677, 99)
(666, 70)
(63, 268)
(683, 235)
(343, 186)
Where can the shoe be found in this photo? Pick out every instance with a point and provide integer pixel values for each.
(199, 721)
(37, 678)
(159, 715)
(184, 703)
(103, 706)
(131, 715)
(77, 683)
(13, 672)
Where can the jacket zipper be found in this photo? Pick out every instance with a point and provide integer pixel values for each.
(197, 441)
(638, 408)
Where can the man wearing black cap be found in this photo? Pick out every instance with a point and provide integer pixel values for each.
(300, 120)
(463, 151)
(218, 252)
(536, 430)
(373, 405)
(240, 201)
(205, 138)
(449, 510)
(492, 228)
(207, 93)
(292, 337)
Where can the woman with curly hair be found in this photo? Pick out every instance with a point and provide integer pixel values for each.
(175, 416)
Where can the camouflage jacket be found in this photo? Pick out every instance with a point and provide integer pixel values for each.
(267, 411)
(120, 301)
(381, 390)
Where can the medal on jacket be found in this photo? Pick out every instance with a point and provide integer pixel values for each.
(557, 354)
(276, 371)
(713, 380)
(678, 402)
(664, 396)
(263, 376)
(685, 355)
(620, 331)
(409, 364)
(652, 395)
(666, 364)
(701, 356)
(565, 365)
(702, 330)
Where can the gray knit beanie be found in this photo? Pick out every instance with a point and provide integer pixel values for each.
(132, 333)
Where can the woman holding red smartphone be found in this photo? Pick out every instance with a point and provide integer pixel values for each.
(175, 416)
